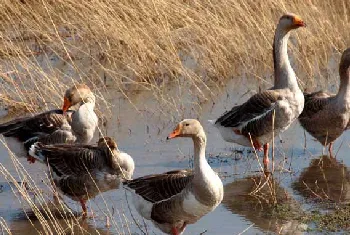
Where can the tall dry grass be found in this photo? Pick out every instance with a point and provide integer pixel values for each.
(151, 44)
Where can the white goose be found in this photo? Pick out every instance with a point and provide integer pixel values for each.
(81, 172)
(55, 126)
(251, 122)
(177, 198)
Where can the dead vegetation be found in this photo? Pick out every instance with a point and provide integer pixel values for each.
(198, 44)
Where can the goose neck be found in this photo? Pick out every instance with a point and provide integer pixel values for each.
(283, 72)
(344, 87)
(200, 162)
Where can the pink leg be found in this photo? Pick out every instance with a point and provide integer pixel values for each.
(174, 231)
(266, 155)
(330, 149)
(30, 159)
(83, 206)
(256, 144)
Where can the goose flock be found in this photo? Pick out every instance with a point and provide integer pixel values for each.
(172, 200)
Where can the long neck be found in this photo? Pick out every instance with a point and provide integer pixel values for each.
(200, 163)
(344, 88)
(284, 74)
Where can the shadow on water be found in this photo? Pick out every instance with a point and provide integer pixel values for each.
(26, 221)
(20, 224)
(265, 203)
(69, 222)
(326, 179)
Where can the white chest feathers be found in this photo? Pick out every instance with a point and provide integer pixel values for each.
(213, 195)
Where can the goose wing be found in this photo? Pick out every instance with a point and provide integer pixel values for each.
(160, 187)
(64, 136)
(315, 102)
(254, 116)
(257, 106)
(69, 159)
(28, 127)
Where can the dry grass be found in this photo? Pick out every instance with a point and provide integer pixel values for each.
(150, 44)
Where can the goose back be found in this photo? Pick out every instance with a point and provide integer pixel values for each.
(28, 127)
(255, 117)
(159, 187)
(162, 197)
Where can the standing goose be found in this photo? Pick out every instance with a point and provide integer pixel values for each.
(55, 126)
(177, 198)
(83, 171)
(326, 116)
(251, 122)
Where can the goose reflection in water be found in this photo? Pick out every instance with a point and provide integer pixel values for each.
(17, 222)
(263, 202)
(325, 179)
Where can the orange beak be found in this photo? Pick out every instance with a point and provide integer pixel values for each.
(175, 133)
(66, 104)
(298, 21)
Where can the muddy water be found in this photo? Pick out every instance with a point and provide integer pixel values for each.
(141, 128)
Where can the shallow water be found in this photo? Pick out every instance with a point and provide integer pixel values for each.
(142, 134)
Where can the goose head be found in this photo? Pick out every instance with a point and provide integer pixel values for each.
(344, 70)
(77, 94)
(107, 141)
(187, 128)
(290, 21)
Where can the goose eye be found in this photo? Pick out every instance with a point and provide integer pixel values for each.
(187, 124)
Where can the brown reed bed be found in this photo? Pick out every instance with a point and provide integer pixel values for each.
(194, 44)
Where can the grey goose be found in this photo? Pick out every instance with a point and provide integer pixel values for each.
(54, 126)
(81, 171)
(325, 115)
(251, 122)
(177, 198)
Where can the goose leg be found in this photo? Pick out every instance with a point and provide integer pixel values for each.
(30, 159)
(266, 155)
(174, 231)
(330, 149)
(83, 206)
(256, 144)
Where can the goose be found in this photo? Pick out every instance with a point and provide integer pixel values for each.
(176, 198)
(251, 122)
(81, 171)
(325, 115)
(55, 126)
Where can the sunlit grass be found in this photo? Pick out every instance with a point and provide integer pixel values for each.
(47, 44)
